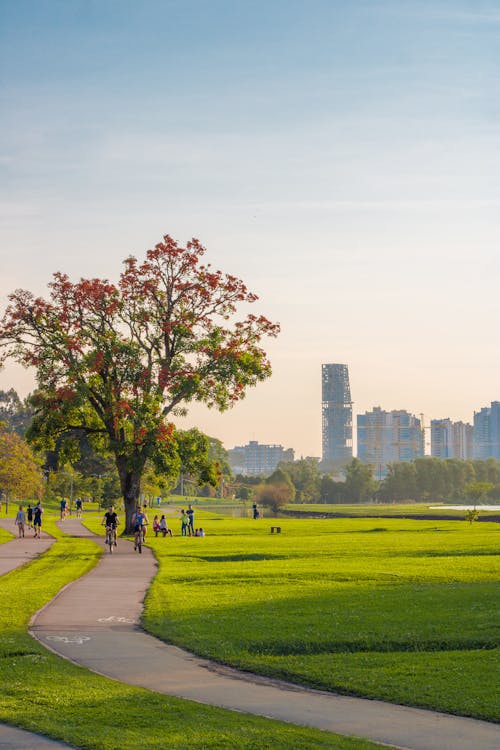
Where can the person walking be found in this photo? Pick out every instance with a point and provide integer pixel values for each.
(29, 514)
(37, 520)
(20, 521)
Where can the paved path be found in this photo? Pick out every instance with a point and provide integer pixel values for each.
(12, 555)
(19, 551)
(18, 739)
(93, 624)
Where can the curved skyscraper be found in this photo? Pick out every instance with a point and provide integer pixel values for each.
(336, 409)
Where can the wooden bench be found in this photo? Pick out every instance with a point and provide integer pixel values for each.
(276, 529)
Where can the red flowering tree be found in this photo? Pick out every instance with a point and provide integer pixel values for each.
(117, 362)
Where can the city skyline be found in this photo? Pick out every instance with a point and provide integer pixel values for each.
(342, 159)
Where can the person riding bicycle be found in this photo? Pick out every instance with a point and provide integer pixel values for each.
(139, 521)
(111, 521)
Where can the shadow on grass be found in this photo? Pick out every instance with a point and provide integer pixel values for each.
(240, 558)
(353, 647)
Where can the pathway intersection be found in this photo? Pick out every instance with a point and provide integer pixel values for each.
(95, 622)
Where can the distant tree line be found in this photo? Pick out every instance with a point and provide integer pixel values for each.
(422, 480)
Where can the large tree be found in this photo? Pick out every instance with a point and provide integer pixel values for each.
(118, 361)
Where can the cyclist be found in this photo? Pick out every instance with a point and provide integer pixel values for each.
(110, 521)
(78, 507)
(145, 522)
(139, 521)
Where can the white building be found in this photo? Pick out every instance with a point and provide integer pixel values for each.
(256, 459)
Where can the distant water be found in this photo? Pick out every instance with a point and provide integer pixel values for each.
(464, 507)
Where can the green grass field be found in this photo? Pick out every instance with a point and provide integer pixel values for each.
(405, 611)
(46, 694)
(388, 509)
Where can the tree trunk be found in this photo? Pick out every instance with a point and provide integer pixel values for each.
(130, 481)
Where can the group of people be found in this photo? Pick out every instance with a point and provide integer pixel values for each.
(160, 526)
(65, 509)
(187, 523)
(30, 518)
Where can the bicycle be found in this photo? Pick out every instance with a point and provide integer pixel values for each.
(138, 540)
(111, 538)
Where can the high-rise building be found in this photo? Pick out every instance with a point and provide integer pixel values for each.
(486, 436)
(388, 437)
(451, 439)
(257, 459)
(336, 412)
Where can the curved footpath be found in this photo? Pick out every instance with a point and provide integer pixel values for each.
(13, 554)
(94, 622)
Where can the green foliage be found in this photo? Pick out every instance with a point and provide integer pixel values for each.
(14, 412)
(331, 491)
(400, 482)
(359, 482)
(116, 362)
(471, 515)
(20, 474)
(394, 609)
(476, 490)
(305, 476)
(275, 495)
(219, 455)
(244, 493)
(281, 477)
(436, 479)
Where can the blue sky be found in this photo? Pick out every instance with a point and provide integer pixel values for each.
(342, 158)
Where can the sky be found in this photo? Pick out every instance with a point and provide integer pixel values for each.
(343, 159)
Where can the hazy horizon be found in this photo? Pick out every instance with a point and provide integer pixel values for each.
(341, 158)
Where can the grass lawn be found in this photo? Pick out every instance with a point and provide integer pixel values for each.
(391, 509)
(5, 536)
(46, 694)
(405, 611)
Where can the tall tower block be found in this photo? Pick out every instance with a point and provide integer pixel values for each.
(336, 411)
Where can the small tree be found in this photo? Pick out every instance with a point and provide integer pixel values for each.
(280, 477)
(274, 496)
(117, 361)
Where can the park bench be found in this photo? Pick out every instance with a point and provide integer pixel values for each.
(276, 529)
